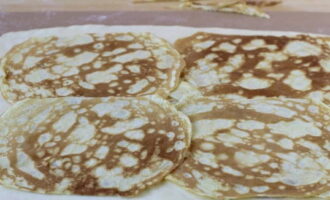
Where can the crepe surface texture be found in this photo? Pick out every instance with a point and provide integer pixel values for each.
(23, 144)
(257, 66)
(90, 65)
(256, 148)
(91, 146)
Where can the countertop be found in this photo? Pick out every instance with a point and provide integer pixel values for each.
(127, 5)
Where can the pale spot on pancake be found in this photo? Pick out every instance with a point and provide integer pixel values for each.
(204, 158)
(31, 61)
(301, 49)
(222, 156)
(273, 109)
(259, 146)
(115, 109)
(135, 134)
(236, 60)
(253, 83)
(298, 80)
(179, 145)
(102, 152)
(207, 184)
(170, 135)
(269, 58)
(226, 47)
(313, 109)
(65, 122)
(260, 189)
(286, 143)
(75, 169)
(229, 170)
(39, 75)
(132, 147)
(229, 139)
(310, 145)
(83, 133)
(276, 76)
(250, 125)
(128, 160)
(138, 86)
(113, 52)
(327, 145)
(325, 64)
(17, 58)
(98, 46)
(104, 76)
(70, 72)
(297, 171)
(90, 163)
(73, 149)
(264, 65)
(86, 85)
(58, 69)
(63, 91)
(250, 158)
(46, 137)
(64, 184)
(77, 60)
(208, 127)
(27, 165)
(241, 189)
(274, 56)
(135, 46)
(136, 55)
(134, 68)
(254, 44)
(206, 146)
(20, 139)
(295, 128)
(4, 163)
(239, 133)
(203, 45)
(98, 64)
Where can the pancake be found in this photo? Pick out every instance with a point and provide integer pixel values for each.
(257, 66)
(90, 65)
(256, 148)
(91, 146)
(263, 3)
(233, 6)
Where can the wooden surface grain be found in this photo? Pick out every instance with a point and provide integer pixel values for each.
(127, 5)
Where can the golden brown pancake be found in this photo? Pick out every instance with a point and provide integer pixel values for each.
(90, 65)
(257, 66)
(91, 146)
(256, 148)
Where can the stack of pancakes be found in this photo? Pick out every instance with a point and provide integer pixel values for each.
(224, 116)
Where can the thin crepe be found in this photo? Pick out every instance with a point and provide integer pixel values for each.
(256, 148)
(91, 146)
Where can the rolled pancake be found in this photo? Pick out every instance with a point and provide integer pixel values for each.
(91, 146)
(258, 66)
(90, 65)
(256, 148)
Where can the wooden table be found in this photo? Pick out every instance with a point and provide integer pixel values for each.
(120, 5)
